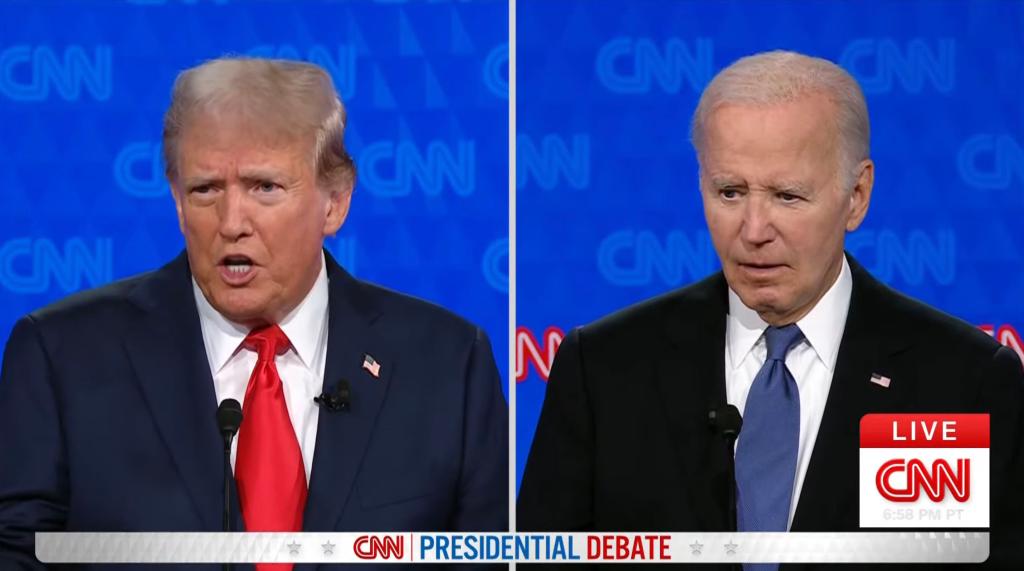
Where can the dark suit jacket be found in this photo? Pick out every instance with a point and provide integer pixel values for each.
(107, 418)
(624, 443)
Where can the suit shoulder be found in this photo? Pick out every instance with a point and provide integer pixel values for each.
(936, 328)
(99, 304)
(418, 314)
(646, 317)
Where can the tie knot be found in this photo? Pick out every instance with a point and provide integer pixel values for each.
(267, 341)
(781, 339)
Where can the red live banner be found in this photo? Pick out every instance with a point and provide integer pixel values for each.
(924, 431)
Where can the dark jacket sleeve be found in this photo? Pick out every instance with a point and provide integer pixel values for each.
(483, 482)
(33, 469)
(1003, 393)
(557, 488)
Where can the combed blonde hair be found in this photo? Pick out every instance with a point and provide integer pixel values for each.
(782, 76)
(290, 98)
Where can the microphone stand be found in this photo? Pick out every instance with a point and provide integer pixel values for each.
(727, 422)
(229, 419)
(227, 488)
(730, 441)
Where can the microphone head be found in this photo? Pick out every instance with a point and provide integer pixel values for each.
(726, 420)
(229, 416)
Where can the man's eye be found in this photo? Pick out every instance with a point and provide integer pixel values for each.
(787, 197)
(729, 193)
(268, 187)
(201, 189)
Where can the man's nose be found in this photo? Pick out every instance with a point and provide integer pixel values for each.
(758, 226)
(233, 212)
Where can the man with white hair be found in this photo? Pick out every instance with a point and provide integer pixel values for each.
(792, 332)
(363, 409)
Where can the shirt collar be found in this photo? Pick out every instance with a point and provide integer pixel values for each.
(303, 325)
(822, 326)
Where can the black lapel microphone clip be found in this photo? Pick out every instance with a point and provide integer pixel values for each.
(338, 399)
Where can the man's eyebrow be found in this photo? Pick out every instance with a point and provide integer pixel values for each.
(201, 179)
(726, 180)
(789, 186)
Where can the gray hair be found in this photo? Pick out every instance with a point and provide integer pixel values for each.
(782, 76)
(286, 97)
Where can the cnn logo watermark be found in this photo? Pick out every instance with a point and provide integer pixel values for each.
(924, 470)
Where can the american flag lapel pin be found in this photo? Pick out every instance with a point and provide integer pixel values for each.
(371, 365)
(881, 380)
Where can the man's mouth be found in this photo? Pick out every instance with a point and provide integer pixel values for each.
(237, 264)
(761, 270)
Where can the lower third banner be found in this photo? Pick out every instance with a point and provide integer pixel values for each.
(418, 547)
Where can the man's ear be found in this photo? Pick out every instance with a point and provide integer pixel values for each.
(338, 202)
(178, 197)
(860, 195)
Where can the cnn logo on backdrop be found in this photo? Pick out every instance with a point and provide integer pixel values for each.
(924, 470)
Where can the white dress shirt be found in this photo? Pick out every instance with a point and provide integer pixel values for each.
(812, 361)
(301, 367)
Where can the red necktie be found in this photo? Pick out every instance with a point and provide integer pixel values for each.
(268, 466)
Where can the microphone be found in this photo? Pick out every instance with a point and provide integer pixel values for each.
(338, 399)
(727, 422)
(229, 418)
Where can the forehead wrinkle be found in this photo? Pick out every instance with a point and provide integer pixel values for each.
(809, 127)
(227, 129)
(767, 172)
(259, 171)
(211, 159)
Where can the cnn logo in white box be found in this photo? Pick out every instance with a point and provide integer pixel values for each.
(924, 470)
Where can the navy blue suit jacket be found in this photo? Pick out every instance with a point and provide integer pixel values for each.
(107, 418)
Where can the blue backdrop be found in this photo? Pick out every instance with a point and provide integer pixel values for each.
(608, 209)
(83, 88)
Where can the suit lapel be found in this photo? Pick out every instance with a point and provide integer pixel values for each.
(166, 350)
(691, 379)
(829, 497)
(167, 354)
(342, 436)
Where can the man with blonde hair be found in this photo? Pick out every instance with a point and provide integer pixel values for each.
(363, 409)
(791, 332)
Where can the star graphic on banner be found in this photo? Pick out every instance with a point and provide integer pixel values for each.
(328, 548)
(696, 546)
(730, 548)
(293, 547)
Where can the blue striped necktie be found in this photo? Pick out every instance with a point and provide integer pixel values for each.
(767, 448)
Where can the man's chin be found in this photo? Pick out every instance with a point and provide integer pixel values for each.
(773, 311)
(240, 307)
(763, 300)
